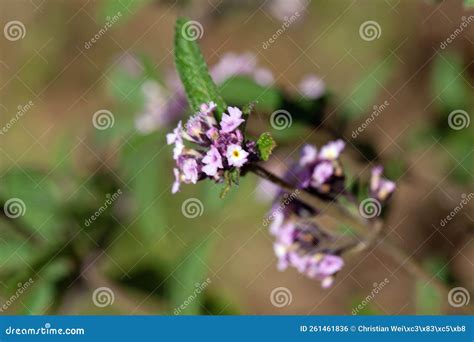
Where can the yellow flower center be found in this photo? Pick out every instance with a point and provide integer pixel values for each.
(235, 153)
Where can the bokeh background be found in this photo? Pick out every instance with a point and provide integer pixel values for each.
(142, 250)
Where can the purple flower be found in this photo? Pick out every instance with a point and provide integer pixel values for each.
(380, 188)
(212, 161)
(312, 86)
(322, 172)
(177, 181)
(190, 170)
(309, 154)
(236, 155)
(332, 150)
(231, 121)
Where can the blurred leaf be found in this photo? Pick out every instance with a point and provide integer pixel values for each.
(428, 300)
(265, 145)
(449, 87)
(240, 90)
(469, 3)
(366, 90)
(38, 197)
(122, 8)
(143, 163)
(189, 279)
(192, 70)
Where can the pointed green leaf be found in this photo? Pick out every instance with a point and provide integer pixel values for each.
(192, 69)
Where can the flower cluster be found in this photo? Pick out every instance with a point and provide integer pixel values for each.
(299, 244)
(216, 147)
(299, 241)
(321, 172)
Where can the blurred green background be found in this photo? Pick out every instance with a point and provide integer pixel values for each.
(142, 248)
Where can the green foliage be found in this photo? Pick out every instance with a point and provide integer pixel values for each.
(365, 92)
(142, 162)
(192, 70)
(265, 145)
(428, 299)
(240, 90)
(449, 87)
(124, 9)
(189, 278)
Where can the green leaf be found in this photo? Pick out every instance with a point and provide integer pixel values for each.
(469, 3)
(449, 87)
(189, 280)
(192, 70)
(366, 90)
(240, 90)
(116, 12)
(265, 145)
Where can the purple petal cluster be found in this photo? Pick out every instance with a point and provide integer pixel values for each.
(321, 171)
(298, 245)
(205, 148)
